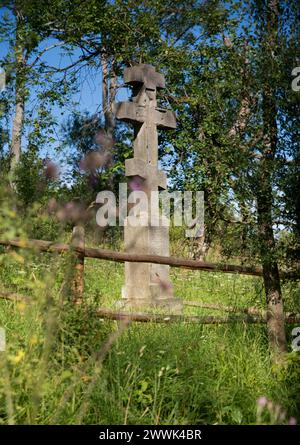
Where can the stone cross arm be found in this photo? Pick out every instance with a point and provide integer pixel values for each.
(145, 81)
(134, 113)
(144, 114)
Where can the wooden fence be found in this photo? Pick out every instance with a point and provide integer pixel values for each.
(80, 251)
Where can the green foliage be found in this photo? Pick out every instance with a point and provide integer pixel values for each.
(221, 63)
(196, 375)
(30, 181)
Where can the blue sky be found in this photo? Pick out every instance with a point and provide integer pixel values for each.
(86, 99)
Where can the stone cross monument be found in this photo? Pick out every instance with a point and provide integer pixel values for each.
(146, 284)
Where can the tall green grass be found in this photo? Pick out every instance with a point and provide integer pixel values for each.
(65, 365)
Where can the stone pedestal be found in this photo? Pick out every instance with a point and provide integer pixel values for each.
(148, 284)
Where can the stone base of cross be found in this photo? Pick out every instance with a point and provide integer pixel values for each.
(146, 284)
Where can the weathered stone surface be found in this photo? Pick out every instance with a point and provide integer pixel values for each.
(130, 112)
(165, 119)
(137, 167)
(144, 74)
(146, 284)
(133, 113)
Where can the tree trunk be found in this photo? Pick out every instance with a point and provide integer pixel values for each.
(109, 86)
(108, 95)
(275, 313)
(200, 246)
(17, 132)
(18, 120)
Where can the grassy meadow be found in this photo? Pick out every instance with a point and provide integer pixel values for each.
(65, 365)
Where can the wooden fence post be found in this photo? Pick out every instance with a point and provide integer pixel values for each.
(77, 285)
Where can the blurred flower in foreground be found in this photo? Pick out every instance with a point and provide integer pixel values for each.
(262, 401)
(52, 205)
(273, 412)
(103, 139)
(93, 160)
(137, 183)
(51, 170)
(72, 212)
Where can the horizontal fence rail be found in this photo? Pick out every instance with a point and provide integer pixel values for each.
(110, 255)
(79, 251)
